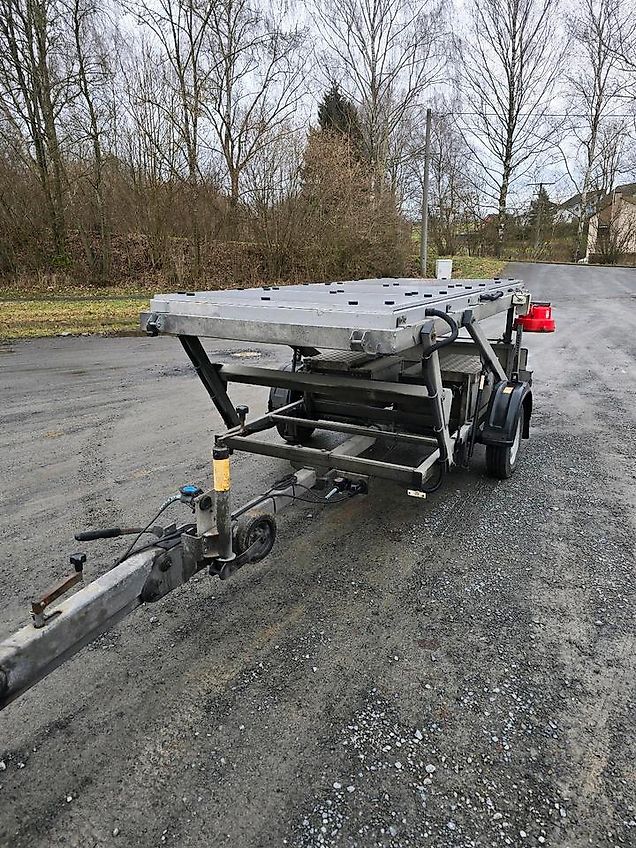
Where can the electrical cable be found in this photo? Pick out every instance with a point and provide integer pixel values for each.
(167, 538)
(289, 481)
(164, 507)
(318, 501)
(445, 340)
(428, 490)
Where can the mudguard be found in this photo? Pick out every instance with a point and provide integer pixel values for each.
(507, 400)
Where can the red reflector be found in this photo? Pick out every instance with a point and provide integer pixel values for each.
(538, 320)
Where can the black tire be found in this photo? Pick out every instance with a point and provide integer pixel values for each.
(291, 433)
(501, 461)
(257, 527)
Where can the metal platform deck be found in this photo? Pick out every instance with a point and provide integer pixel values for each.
(374, 316)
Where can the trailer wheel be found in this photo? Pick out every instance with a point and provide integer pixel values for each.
(501, 460)
(291, 433)
(255, 528)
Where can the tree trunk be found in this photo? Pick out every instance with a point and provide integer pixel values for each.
(44, 93)
(583, 217)
(501, 211)
(233, 217)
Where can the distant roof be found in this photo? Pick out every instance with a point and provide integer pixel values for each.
(626, 189)
(575, 200)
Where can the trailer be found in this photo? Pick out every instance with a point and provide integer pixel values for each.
(395, 379)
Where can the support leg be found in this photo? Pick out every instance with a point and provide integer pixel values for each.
(221, 467)
(210, 378)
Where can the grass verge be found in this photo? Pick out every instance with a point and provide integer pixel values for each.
(37, 318)
(476, 267)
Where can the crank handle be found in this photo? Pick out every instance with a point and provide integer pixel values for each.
(39, 605)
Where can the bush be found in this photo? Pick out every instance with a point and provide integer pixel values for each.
(326, 222)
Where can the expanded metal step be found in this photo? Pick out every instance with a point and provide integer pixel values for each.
(459, 363)
(338, 360)
(361, 365)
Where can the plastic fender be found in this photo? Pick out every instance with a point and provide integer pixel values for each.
(506, 402)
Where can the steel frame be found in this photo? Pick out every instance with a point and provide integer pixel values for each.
(415, 412)
(347, 393)
(350, 397)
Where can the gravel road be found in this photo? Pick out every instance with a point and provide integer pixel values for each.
(454, 672)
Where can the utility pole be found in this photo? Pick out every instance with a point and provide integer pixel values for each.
(424, 221)
(537, 235)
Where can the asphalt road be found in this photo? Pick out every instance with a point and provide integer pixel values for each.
(454, 672)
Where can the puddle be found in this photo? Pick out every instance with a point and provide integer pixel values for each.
(245, 354)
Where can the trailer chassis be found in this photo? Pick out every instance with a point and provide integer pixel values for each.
(415, 405)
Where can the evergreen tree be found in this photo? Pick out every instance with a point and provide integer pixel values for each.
(541, 216)
(338, 115)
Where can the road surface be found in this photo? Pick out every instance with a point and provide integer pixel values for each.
(454, 672)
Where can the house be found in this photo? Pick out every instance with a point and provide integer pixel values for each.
(612, 232)
(571, 209)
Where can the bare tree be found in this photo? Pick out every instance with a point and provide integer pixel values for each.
(272, 184)
(615, 144)
(150, 140)
(92, 115)
(451, 178)
(387, 53)
(624, 31)
(451, 183)
(149, 143)
(33, 91)
(508, 69)
(255, 84)
(625, 49)
(181, 29)
(594, 84)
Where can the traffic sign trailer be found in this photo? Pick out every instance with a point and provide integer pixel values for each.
(375, 363)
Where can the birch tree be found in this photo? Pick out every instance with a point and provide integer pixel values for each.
(34, 84)
(509, 66)
(624, 47)
(181, 29)
(92, 115)
(386, 54)
(595, 83)
(255, 86)
(150, 144)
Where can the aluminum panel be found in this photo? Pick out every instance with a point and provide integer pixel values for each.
(325, 314)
